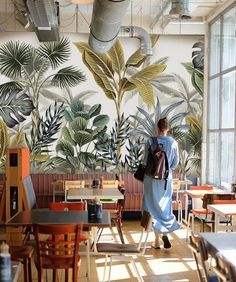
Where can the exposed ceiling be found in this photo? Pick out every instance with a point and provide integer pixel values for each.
(153, 15)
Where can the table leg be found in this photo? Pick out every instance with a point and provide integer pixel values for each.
(217, 222)
(94, 236)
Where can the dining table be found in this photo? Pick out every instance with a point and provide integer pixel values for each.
(223, 243)
(224, 210)
(94, 194)
(198, 195)
(45, 216)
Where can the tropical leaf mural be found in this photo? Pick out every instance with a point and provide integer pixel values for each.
(112, 75)
(76, 147)
(35, 71)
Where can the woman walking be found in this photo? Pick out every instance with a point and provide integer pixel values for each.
(157, 193)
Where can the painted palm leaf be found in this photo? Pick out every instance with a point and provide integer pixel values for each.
(83, 137)
(65, 148)
(14, 106)
(10, 86)
(78, 124)
(67, 77)
(57, 52)
(13, 56)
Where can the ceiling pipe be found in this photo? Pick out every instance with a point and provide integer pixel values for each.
(141, 34)
(180, 8)
(105, 24)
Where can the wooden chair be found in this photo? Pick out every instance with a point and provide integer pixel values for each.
(224, 269)
(56, 253)
(127, 252)
(116, 217)
(79, 206)
(203, 214)
(72, 184)
(23, 254)
(200, 255)
(177, 202)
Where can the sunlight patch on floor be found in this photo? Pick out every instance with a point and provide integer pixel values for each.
(160, 266)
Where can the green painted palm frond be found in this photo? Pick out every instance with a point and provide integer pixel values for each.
(48, 126)
(37, 63)
(142, 121)
(13, 57)
(171, 108)
(68, 77)
(10, 86)
(148, 117)
(57, 52)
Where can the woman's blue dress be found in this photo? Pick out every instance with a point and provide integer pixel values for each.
(156, 199)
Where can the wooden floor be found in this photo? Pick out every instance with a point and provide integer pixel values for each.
(174, 264)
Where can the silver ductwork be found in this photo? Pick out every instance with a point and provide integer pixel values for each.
(105, 24)
(180, 8)
(43, 15)
(141, 34)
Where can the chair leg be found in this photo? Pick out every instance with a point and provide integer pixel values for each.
(67, 275)
(25, 265)
(109, 275)
(119, 231)
(140, 278)
(88, 259)
(54, 275)
(105, 268)
(29, 270)
(190, 215)
(75, 274)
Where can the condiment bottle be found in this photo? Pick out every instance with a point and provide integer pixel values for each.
(5, 262)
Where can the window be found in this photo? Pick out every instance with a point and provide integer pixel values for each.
(221, 132)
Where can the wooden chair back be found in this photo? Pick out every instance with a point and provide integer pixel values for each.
(54, 253)
(29, 194)
(224, 269)
(223, 202)
(73, 184)
(108, 183)
(61, 206)
(208, 199)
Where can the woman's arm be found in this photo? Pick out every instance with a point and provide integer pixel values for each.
(175, 152)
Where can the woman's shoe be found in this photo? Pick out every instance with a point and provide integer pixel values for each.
(155, 246)
(166, 242)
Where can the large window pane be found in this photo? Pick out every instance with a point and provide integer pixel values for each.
(227, 158)
(215, 47)
(213, 104)
(229, 39)
(228, 100)
(213, 158)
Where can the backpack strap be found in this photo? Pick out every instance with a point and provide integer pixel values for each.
(167, 169)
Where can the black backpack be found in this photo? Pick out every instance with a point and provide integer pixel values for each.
(157, 163)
